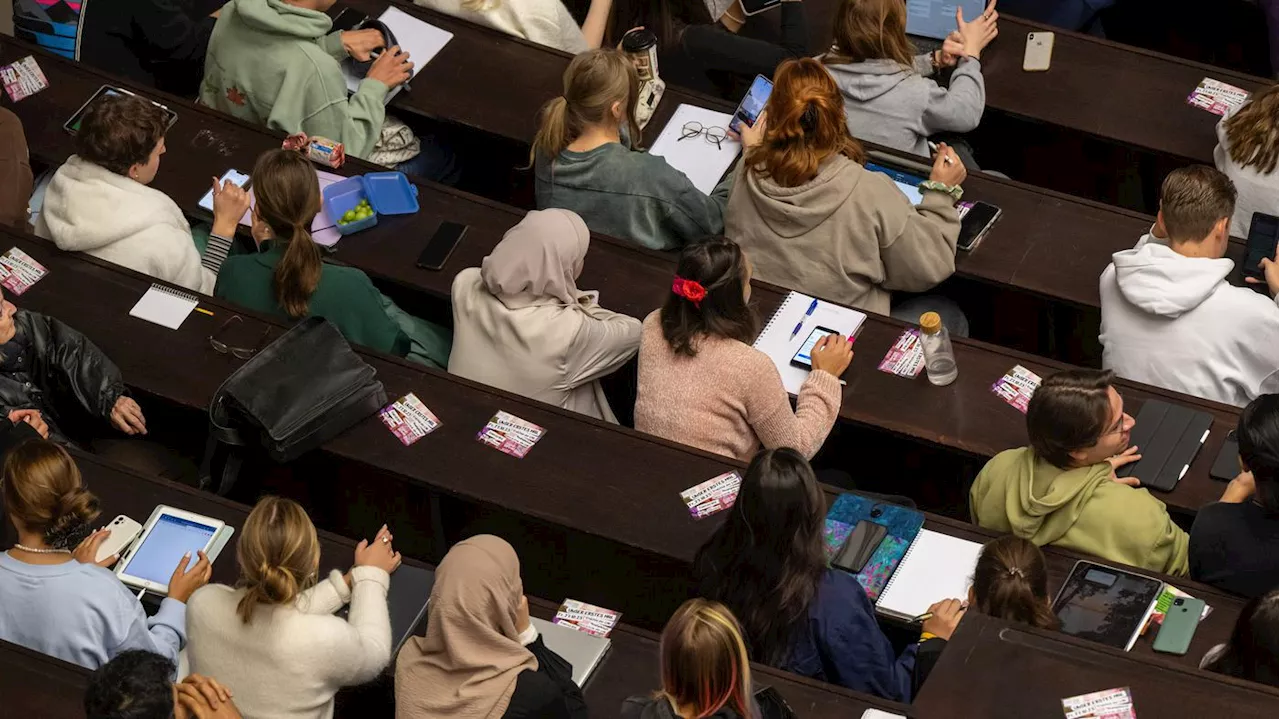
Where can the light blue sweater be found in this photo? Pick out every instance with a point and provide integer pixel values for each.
(82, 613)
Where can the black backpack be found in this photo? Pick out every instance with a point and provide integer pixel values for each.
(298, 392)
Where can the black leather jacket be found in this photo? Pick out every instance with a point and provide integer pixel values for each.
(53, 368)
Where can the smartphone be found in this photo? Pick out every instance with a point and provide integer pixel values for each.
(754, 7)
(1179, 626)
(441, 245)
(123, 532)
(1227, 464)
(237, 177)
(1264, 232)
(859, 546)
(753, 104)
(802, 358)
(1039, 51)
(976, 220)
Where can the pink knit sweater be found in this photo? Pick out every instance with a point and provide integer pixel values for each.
(729, 399)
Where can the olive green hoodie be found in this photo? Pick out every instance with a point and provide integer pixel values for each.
(1080, 509)
(275, 64)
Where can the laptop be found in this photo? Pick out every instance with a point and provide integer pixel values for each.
(935, 19)
(582, 650)
(406, 603)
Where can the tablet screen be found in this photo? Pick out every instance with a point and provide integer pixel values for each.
(936, 18)
(908, 183)
(1105, 605)
(170, 537)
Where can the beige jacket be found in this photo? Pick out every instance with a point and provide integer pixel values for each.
(548, 352)
(849, 235)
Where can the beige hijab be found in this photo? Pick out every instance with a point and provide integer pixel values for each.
(466, 665)
(538, 261)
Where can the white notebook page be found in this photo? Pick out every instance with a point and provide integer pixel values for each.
(701, 161)
(165, 306)
(937, 566)
(777, 342)
(880, 714)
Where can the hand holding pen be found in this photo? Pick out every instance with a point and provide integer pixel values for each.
(942, 618)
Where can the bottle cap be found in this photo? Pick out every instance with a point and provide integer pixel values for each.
(930, 323)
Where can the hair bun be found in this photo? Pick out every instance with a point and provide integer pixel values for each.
(277, 583)
(73, 511)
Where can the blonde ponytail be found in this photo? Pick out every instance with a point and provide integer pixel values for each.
(593, 82)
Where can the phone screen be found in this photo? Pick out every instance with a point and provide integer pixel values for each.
(752, 105)
(1264, 231)
(976, 218)
(441, 245)
(802, 356)
(236, 176)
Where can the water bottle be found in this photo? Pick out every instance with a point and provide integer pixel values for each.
(939, 358)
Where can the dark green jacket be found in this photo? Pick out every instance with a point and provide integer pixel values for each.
(345, 297)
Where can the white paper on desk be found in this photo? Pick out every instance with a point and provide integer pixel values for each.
(880, 714)
(165, 306)
(324, 230)
(701, 161)
(777, 342)
(421, 40)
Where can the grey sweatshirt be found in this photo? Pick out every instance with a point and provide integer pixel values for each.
(631, 195)
(899, 108)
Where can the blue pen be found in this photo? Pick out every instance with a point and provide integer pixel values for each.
(808, 313)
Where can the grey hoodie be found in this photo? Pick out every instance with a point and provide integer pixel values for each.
(900, 108)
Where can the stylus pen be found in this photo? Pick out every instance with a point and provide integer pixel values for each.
(933, 146)
(141, 592)
(922, 618)
(374, 55)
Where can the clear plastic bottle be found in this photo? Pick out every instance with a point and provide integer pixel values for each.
(939, 358)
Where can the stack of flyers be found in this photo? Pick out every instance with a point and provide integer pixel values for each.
(23, 78)
(1216, 97)
(906, 356)
(1017, 386)
(1164, 601)
(510, 434)
(712, 495)
(18, 271)
(409, 419)
(586, 617)
(1109, 704)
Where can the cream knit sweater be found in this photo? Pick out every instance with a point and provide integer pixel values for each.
(290, 661)
(729, 399)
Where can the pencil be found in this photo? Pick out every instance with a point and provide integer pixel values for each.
(923, 618)
(203, 311)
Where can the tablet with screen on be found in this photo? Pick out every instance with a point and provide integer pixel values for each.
(1105, 605)
(73, 125)
(169, 534)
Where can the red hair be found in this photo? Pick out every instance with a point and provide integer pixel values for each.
(806, 125)
(704, 660)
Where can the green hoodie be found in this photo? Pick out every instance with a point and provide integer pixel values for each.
(277, 65)
(1080, 509)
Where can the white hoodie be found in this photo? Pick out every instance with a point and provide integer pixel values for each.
(1175, 322)
(91, 209)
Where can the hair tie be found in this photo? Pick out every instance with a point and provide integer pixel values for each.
(809, 118)
(1016, 572)
(690, 290)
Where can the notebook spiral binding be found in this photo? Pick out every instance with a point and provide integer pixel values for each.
(180, 294)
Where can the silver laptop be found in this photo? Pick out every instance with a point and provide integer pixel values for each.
(582, 650)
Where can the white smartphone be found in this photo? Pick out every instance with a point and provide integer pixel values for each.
(236, 176)
(1039, 52)
(168, 534)
(123, 531)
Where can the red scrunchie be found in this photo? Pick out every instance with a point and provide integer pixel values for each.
(690, 290)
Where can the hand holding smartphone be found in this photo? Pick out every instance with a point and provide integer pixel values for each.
(752, 104)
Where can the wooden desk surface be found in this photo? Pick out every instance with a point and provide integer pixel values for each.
(1000, 671)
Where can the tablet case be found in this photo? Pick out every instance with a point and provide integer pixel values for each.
(219, 543)
(902, 524)
(1168, 437)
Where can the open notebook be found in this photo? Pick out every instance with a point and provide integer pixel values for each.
(936, 566)
(777, 341)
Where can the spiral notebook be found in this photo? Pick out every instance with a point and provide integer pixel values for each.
(778, 341)
(165, 306)
(936, 566)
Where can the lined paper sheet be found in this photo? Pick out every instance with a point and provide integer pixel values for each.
(777, 342)
(936, 567)
(701, 161)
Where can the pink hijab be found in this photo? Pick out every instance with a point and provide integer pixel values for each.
(538, 261)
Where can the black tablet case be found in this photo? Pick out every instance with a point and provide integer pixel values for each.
(1168, 437)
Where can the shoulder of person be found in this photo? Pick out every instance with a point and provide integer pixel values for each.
(212, 595)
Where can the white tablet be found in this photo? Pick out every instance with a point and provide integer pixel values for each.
(168, 534)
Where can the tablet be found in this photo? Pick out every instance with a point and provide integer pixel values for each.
(168, 535)
(936, 19)
(73, 125)
(907, 182)
(1105, 605)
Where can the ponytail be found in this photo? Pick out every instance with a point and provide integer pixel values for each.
(594, 81)
(42, 490)
(1010, 582)
(278, 553)
(287, 199)
(298, 273)
(553, 130)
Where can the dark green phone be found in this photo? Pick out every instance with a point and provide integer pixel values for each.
(1179, 626)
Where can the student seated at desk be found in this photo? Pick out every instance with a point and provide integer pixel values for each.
(1252, 653)
(546, 22)
(15, 172)
(1234, 541)
(160, 43)
(1246, 152)
(704, 668)
(56, 599)
(520, 323)
(273, 639)
(288, 276)
(1169, 317)
(890, 95)
(1011, 582)
(811, 217)
(1063, 490)
(276, 63)
(768, 564)
(701, 382)
(138, 684)
(481, 656)
(581, 164)
(99, 201)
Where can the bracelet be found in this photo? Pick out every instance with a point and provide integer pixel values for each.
(955, 191)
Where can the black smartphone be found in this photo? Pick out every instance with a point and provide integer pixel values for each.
(348, 19)
(802, 358)
(441, 245)
(1264, 232)
(859, 546)
(1227, 464)
(977, 219)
